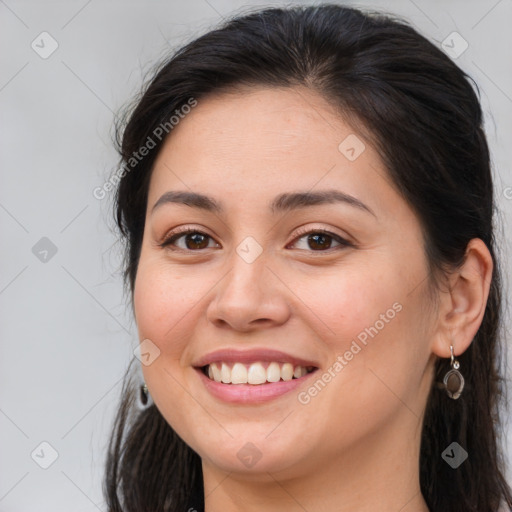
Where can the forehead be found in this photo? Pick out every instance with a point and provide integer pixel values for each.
(253, 142)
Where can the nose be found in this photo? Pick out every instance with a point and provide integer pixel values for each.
(249, 297)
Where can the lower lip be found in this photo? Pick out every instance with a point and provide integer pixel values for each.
(251, 393)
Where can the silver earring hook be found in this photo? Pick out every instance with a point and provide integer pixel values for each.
(453, 362)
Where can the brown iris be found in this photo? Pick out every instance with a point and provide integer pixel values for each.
(317, 239)
(198, 241)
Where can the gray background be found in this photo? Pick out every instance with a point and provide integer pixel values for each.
(66, 332)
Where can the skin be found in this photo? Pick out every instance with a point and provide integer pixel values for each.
(355, 445)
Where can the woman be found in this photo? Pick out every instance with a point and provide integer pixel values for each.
(307, 204)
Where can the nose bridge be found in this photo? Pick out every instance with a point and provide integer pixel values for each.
(246, 278)
(249, 291)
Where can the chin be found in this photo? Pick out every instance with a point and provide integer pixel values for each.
(256, 457)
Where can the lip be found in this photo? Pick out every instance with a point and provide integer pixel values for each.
(252, 356)
(250, 394)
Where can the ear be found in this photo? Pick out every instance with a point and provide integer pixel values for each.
(462, 307)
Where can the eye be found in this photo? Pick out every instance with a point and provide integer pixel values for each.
(320, 240)
(193, 240)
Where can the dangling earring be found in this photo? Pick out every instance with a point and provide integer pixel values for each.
(145, 397)
(453, 380)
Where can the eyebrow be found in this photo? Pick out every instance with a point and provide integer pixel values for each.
(282, 203)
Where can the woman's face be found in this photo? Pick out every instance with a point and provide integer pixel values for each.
(257, 275)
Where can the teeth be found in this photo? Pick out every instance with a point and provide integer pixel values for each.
(287, 371)
(238, 374)
(225, 373)
(299, 371)
(273, 372)
(217, 374)
(255, 373)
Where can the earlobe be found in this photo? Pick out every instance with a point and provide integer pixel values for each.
(462, 308)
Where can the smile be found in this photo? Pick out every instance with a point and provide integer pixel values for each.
(261, 372)
(244, 393)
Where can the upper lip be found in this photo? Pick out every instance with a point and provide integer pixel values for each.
(251, 356)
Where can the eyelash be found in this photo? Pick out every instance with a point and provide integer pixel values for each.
(168, 241)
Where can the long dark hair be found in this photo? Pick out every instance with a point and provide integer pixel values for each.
(422, 114)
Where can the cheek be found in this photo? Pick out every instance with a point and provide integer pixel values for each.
(166, 306)
(159, 306)
(164, 302)
(350, 300)
(369, 317)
